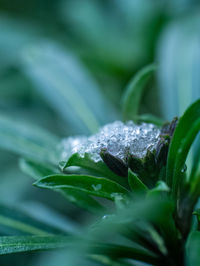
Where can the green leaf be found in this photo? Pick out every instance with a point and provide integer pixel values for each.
(197, 214)
(160, 186)
(105, 260)
(99, 168)
(184, 135)
(134, 91)
(15, 221)
(28, 140)
(14, 244)
(134, 224)
(195, 171)
(193, 249)
(135, 183)
(81, 199)
(100, 187)
(35, 169)
(179, 83)
(67, 86)
(122, 251)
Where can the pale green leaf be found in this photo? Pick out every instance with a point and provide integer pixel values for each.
(134, 92)
(15, 221)
(67, 85)
(193, 249)
(14, 244)
(28, 140)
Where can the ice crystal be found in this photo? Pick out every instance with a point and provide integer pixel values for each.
(117, 138)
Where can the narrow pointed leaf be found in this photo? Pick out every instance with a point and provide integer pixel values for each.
(197, 214)
(184, 135)
(160, 187)
(27, 140)
(36, 169)
(15, 244)
(119, 251)
(15, 221)
(196, 159)
(134, 92)
(60, 77)
(135, 183)
(99, 167)
(100, 187)
(81, 199)
(178, 83)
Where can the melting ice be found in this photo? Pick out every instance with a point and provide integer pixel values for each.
(117, 138)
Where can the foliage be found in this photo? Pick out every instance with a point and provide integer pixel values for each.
(63, 67)
(157, 220)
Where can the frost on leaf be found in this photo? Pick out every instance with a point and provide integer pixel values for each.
(118, 138)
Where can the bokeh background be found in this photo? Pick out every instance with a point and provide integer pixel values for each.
(64, 65)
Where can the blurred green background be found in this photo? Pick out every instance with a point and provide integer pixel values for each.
(64, 65)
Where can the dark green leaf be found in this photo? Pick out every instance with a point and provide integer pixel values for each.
(197, 214)
(100, 187)
(99, 167)
(135, 183)
(144, 213)
(160, 186)
(81, 199)
(119, 251)
(134, 91)
(196, 158)
(184, 135)
(115, 164)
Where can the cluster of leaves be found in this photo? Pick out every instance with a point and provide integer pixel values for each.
(113, 39)
(153, 225)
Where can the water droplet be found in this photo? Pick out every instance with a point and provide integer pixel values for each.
(184, 169)
(97, 187)
(107, 216)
